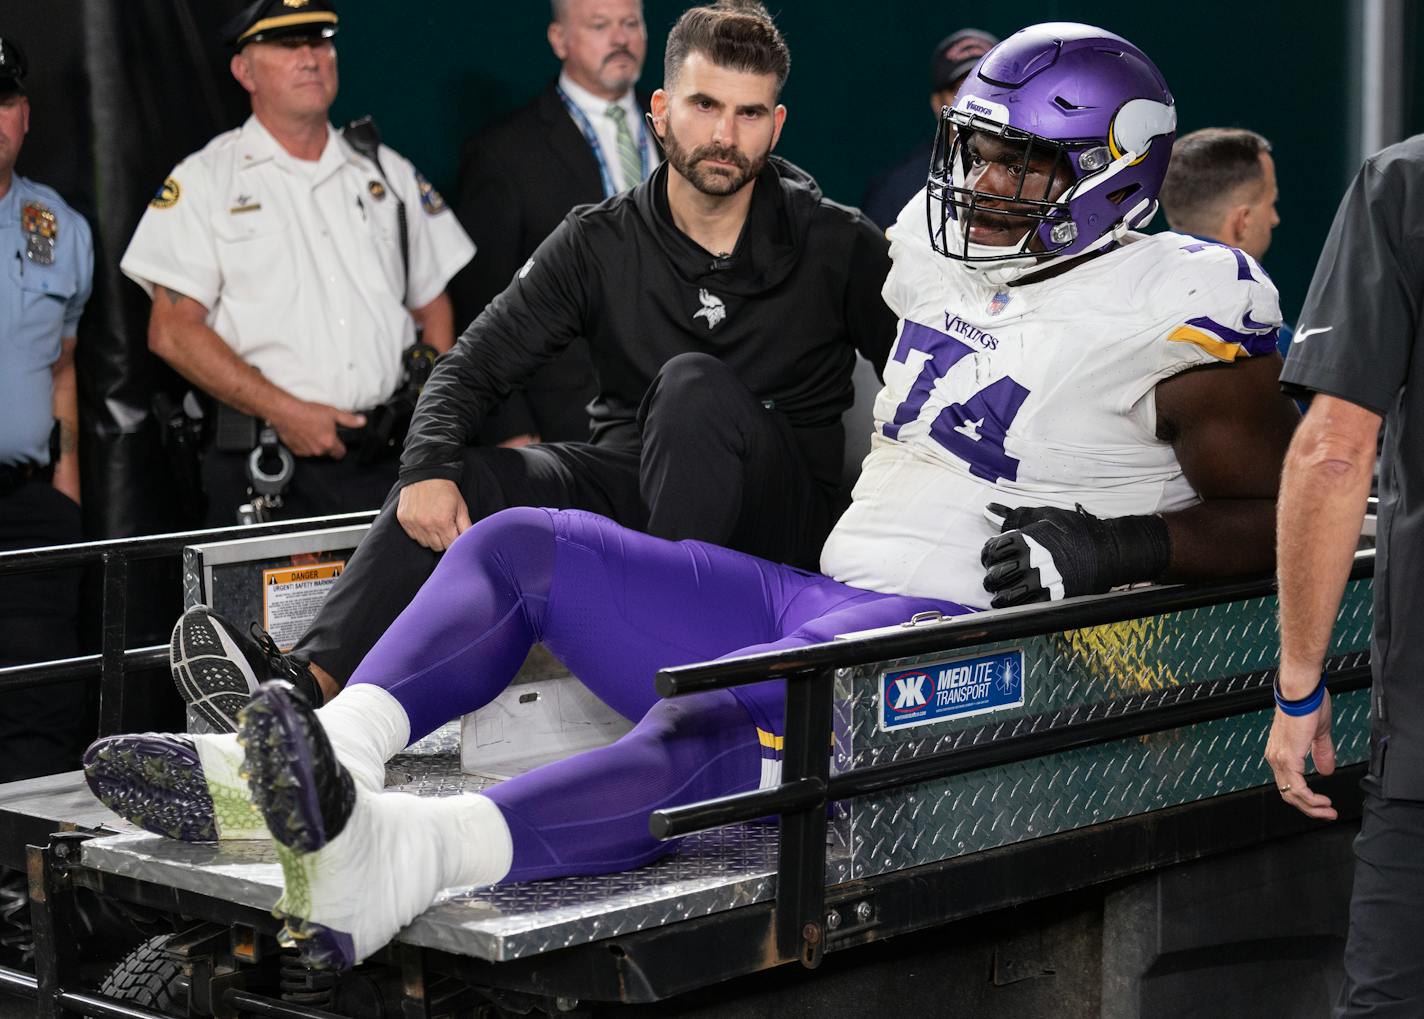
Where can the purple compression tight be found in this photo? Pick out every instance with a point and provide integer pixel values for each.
(614, 606)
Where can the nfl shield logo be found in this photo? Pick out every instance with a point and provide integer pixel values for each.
(999, 302)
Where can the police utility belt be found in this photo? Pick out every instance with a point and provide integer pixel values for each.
(13, 476)
(381, 437)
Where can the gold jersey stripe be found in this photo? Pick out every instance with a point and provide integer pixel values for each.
(770, 741)
(1219, 349)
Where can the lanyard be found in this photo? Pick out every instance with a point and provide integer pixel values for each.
(591, 136)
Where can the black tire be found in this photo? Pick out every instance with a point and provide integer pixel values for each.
(148, 977)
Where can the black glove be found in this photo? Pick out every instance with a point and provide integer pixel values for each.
(1046, 553)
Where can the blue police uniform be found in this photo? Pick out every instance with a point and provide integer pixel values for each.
(48, 256)
(46, 271)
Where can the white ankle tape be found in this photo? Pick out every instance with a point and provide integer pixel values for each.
(479, 849)
(367, 727)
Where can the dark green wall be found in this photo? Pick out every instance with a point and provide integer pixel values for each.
(858, 95)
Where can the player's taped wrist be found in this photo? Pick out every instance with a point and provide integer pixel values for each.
(1046, 553)
(1135, 549)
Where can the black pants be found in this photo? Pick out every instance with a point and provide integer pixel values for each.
(1384, 955)
(320, 486)
(713, 464)
(42, 729)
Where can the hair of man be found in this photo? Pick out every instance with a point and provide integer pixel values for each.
(736, 34)
(1208, 171)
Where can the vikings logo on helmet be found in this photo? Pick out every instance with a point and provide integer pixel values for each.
(1085, 97)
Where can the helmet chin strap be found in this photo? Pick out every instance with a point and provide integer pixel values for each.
(1010, 269)
(1003, 270)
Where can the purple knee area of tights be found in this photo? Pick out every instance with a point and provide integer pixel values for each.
(683, 751)
(465, 634)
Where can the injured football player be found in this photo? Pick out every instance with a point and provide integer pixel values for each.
(1071, 406)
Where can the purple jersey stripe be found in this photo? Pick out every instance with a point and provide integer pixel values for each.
(1243, 267)
(1254, 344)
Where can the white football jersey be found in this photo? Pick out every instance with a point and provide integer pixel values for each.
(1033, 395)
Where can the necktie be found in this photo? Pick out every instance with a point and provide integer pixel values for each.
(628, 156)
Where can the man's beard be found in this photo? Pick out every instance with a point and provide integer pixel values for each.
(710, 181)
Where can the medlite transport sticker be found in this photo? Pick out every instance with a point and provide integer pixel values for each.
(954, 689)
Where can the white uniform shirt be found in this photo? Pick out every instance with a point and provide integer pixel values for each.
(298, 262)
(1037, 395)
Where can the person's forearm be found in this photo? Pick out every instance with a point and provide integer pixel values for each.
(1324, 491)
(65, 408)
(437, 322)
(1221, 538)
(202, 357)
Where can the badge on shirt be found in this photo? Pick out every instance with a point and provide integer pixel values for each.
(166, 196)
(378, 190)
(244, 203)
(430, 199)
(999, 302)
(41, 231)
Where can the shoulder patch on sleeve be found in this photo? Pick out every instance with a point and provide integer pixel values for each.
(167, 194)
(430, 199)
(1228, 305)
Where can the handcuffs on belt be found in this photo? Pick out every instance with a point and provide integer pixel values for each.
(271, 466)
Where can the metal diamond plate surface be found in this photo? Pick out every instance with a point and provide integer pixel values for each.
(1071, 677)
(709, 873)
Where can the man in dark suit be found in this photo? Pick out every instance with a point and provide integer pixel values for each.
(581, 141)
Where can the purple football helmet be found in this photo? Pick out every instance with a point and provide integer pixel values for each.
(1086, 97)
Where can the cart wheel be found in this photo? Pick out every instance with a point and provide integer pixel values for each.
(148, 977)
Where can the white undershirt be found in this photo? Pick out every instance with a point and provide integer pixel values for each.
(596, 110)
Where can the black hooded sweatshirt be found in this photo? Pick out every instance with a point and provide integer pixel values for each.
(786, 311)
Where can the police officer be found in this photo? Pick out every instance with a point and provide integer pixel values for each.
(289, 267)
(48, 257)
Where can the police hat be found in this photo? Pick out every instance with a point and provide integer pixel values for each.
(13, 67)
(266, 20)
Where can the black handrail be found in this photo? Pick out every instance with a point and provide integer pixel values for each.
(156, 546)
(115, 555)
(977, 628)
(739, 808)
(84, 668)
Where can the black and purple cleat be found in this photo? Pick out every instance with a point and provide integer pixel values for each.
(175, 785)
(155, 781)
(307, 798)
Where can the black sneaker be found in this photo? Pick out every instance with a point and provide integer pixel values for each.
(217, 668)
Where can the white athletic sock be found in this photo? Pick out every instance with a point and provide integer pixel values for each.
(476, 845)
(367, 727)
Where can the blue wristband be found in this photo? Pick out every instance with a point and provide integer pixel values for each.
(1307, 704)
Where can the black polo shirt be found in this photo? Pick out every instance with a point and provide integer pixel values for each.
(1356, 340)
